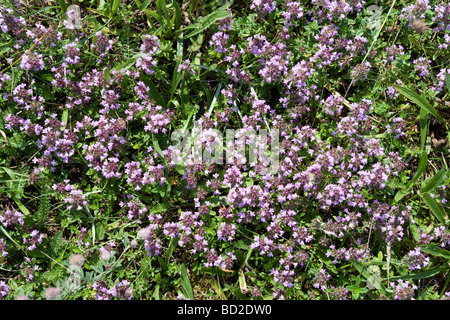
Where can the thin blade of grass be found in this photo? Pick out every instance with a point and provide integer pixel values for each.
(177, 14)
(421, 275)
(114, 6)
(154, 93)
(177, 76)
(172, 245)
(216, 96)
(436, 251)
(435, 181)
(185, 283)
(435, 208)
(423, 127)
(207, 21)
(63, 6)
(419, 100)
(145, 5)
(421, 168)
(9, 236)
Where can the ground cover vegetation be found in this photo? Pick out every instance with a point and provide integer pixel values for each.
(93, 205)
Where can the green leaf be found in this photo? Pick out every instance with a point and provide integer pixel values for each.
(145, 5)
(421, 275)
(420, 101)
(6, 47)
(173, 244)
(186, 284)
(207, 21)
(363, 271)
(447, 81)
(436, 209)
(161, 6)
(421, 168)
(157, 147)
(63, 6)
(415, 232)
(434, 182)
(161, 207)
(177, 76)
(154, 93)
(115, 4)
(21, 206)
(177, 11)
(106, 74)
(436, 251)
(65, 117)
(9, 236)
(44, 209)
(216, 96)
(423, 127)
(55, 245)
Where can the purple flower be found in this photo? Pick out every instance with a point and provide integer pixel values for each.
(442, 17)
(321, 279)
(172, 229)
(360, 72)
(441, 77)
(35, 237)
(76, 199)
(212, 258)
(3, 247)
(403, 290)
(415, 11)
(102, 44)
(416, 259)
(4, 289)
(257, 44)
(262, 6)
(11, 217)
(186, 65)
(72, 53)
(146, 63)
(150, 44)
(422, 66)
(219, 40)
(226, 231)
(32, 61)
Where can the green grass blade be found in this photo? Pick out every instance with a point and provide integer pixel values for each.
(435, 181)
(423, 127)
(145, 5)
(172, 245)
(114, 5)
(219, 14)
(177, 14)
(21, 206)
(435, 208)
(185, 283)
(421, 275)
(63, 6)
(177, 76)
(421, 168)
(9, 236)
(436, 251)
(419, 100)
(216, 96)
(154, 93)
(447, 81)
